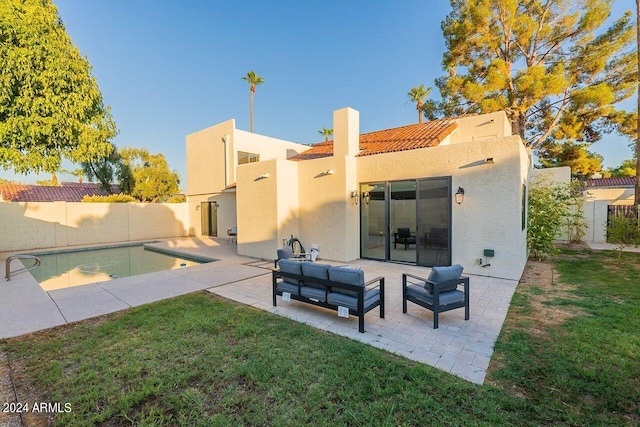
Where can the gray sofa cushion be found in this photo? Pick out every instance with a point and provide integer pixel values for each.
(285, 253)
(292, 267)
(315, 293)
(341, 299)
(446, 298)
(447, 276)
(287, 287)
(351, 276)
(316, 271)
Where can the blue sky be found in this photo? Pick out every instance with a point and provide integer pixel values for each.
(169, 68)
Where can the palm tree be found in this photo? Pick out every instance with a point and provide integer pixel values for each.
(254, 80)
(417, 95)
(328, 132)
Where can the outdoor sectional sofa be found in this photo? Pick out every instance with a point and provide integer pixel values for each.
(337, 288)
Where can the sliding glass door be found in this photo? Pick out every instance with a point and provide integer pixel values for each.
(402, 221)
(407, 221)
(434, 221)
(373, 227)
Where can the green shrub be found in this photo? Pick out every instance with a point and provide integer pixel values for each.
(623, 231)
(112, 198)
(553, 209)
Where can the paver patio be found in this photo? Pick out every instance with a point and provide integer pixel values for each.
(463, 348)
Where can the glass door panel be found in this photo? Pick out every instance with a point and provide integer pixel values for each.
(434, 221)
(373, 230)
(402, 221)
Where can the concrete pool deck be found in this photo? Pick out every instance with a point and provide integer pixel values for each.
(463, 348)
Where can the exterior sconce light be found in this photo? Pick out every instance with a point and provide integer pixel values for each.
(216, 204)
(355, 196)
(263, 176)
(197, 207)
(366, 197)
(459, 195)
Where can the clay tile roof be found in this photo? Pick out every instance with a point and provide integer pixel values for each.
(402, 138)
(66, 192)
(625, 181)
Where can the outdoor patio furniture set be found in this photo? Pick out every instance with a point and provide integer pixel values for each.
(344, 289)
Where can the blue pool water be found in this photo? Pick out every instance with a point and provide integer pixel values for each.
(74, 268)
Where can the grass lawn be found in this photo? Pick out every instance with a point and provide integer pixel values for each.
(569, 354)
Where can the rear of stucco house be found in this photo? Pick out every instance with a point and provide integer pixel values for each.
(350, 196)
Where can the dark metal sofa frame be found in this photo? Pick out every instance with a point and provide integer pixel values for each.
(328, 285)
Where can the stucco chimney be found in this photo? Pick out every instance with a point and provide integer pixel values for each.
(346, 132)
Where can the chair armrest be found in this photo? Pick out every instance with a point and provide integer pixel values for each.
(377, 279)
(412, 276)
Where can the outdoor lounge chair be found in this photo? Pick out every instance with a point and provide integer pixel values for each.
(439, 292)
(404, 236)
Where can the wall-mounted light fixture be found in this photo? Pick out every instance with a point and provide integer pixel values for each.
(366, 197)
(216, 204)
(197, 207)
(489, 160)
(460, 195)
(263, 176)
(355, 196)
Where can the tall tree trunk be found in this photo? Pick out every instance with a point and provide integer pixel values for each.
(637, 186)
(518, 122)
(419, 107)
(251, 110)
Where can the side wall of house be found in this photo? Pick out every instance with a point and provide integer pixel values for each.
(490, 216)
(26, 226)
(212, 161)
(267, 204)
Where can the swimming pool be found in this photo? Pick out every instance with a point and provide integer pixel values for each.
(64, 269)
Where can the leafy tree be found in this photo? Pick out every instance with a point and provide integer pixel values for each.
(109, 170)
(326, 133)
(553, 209)
(418, 94)
(583, 163)
(50, 104)
(627, 168)
(548, 63)
(153, 181)
(254, 80)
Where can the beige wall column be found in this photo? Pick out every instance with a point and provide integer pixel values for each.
(328, 216)
(267, 205)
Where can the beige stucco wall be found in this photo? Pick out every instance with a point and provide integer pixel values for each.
(490, 216)
(615, 196)
(25, 226)
(595, 215)
(304, 200)
(560, 175)
(267, 206)
(300, 198)
(208, 175)
(481, 128)
(596, 208)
